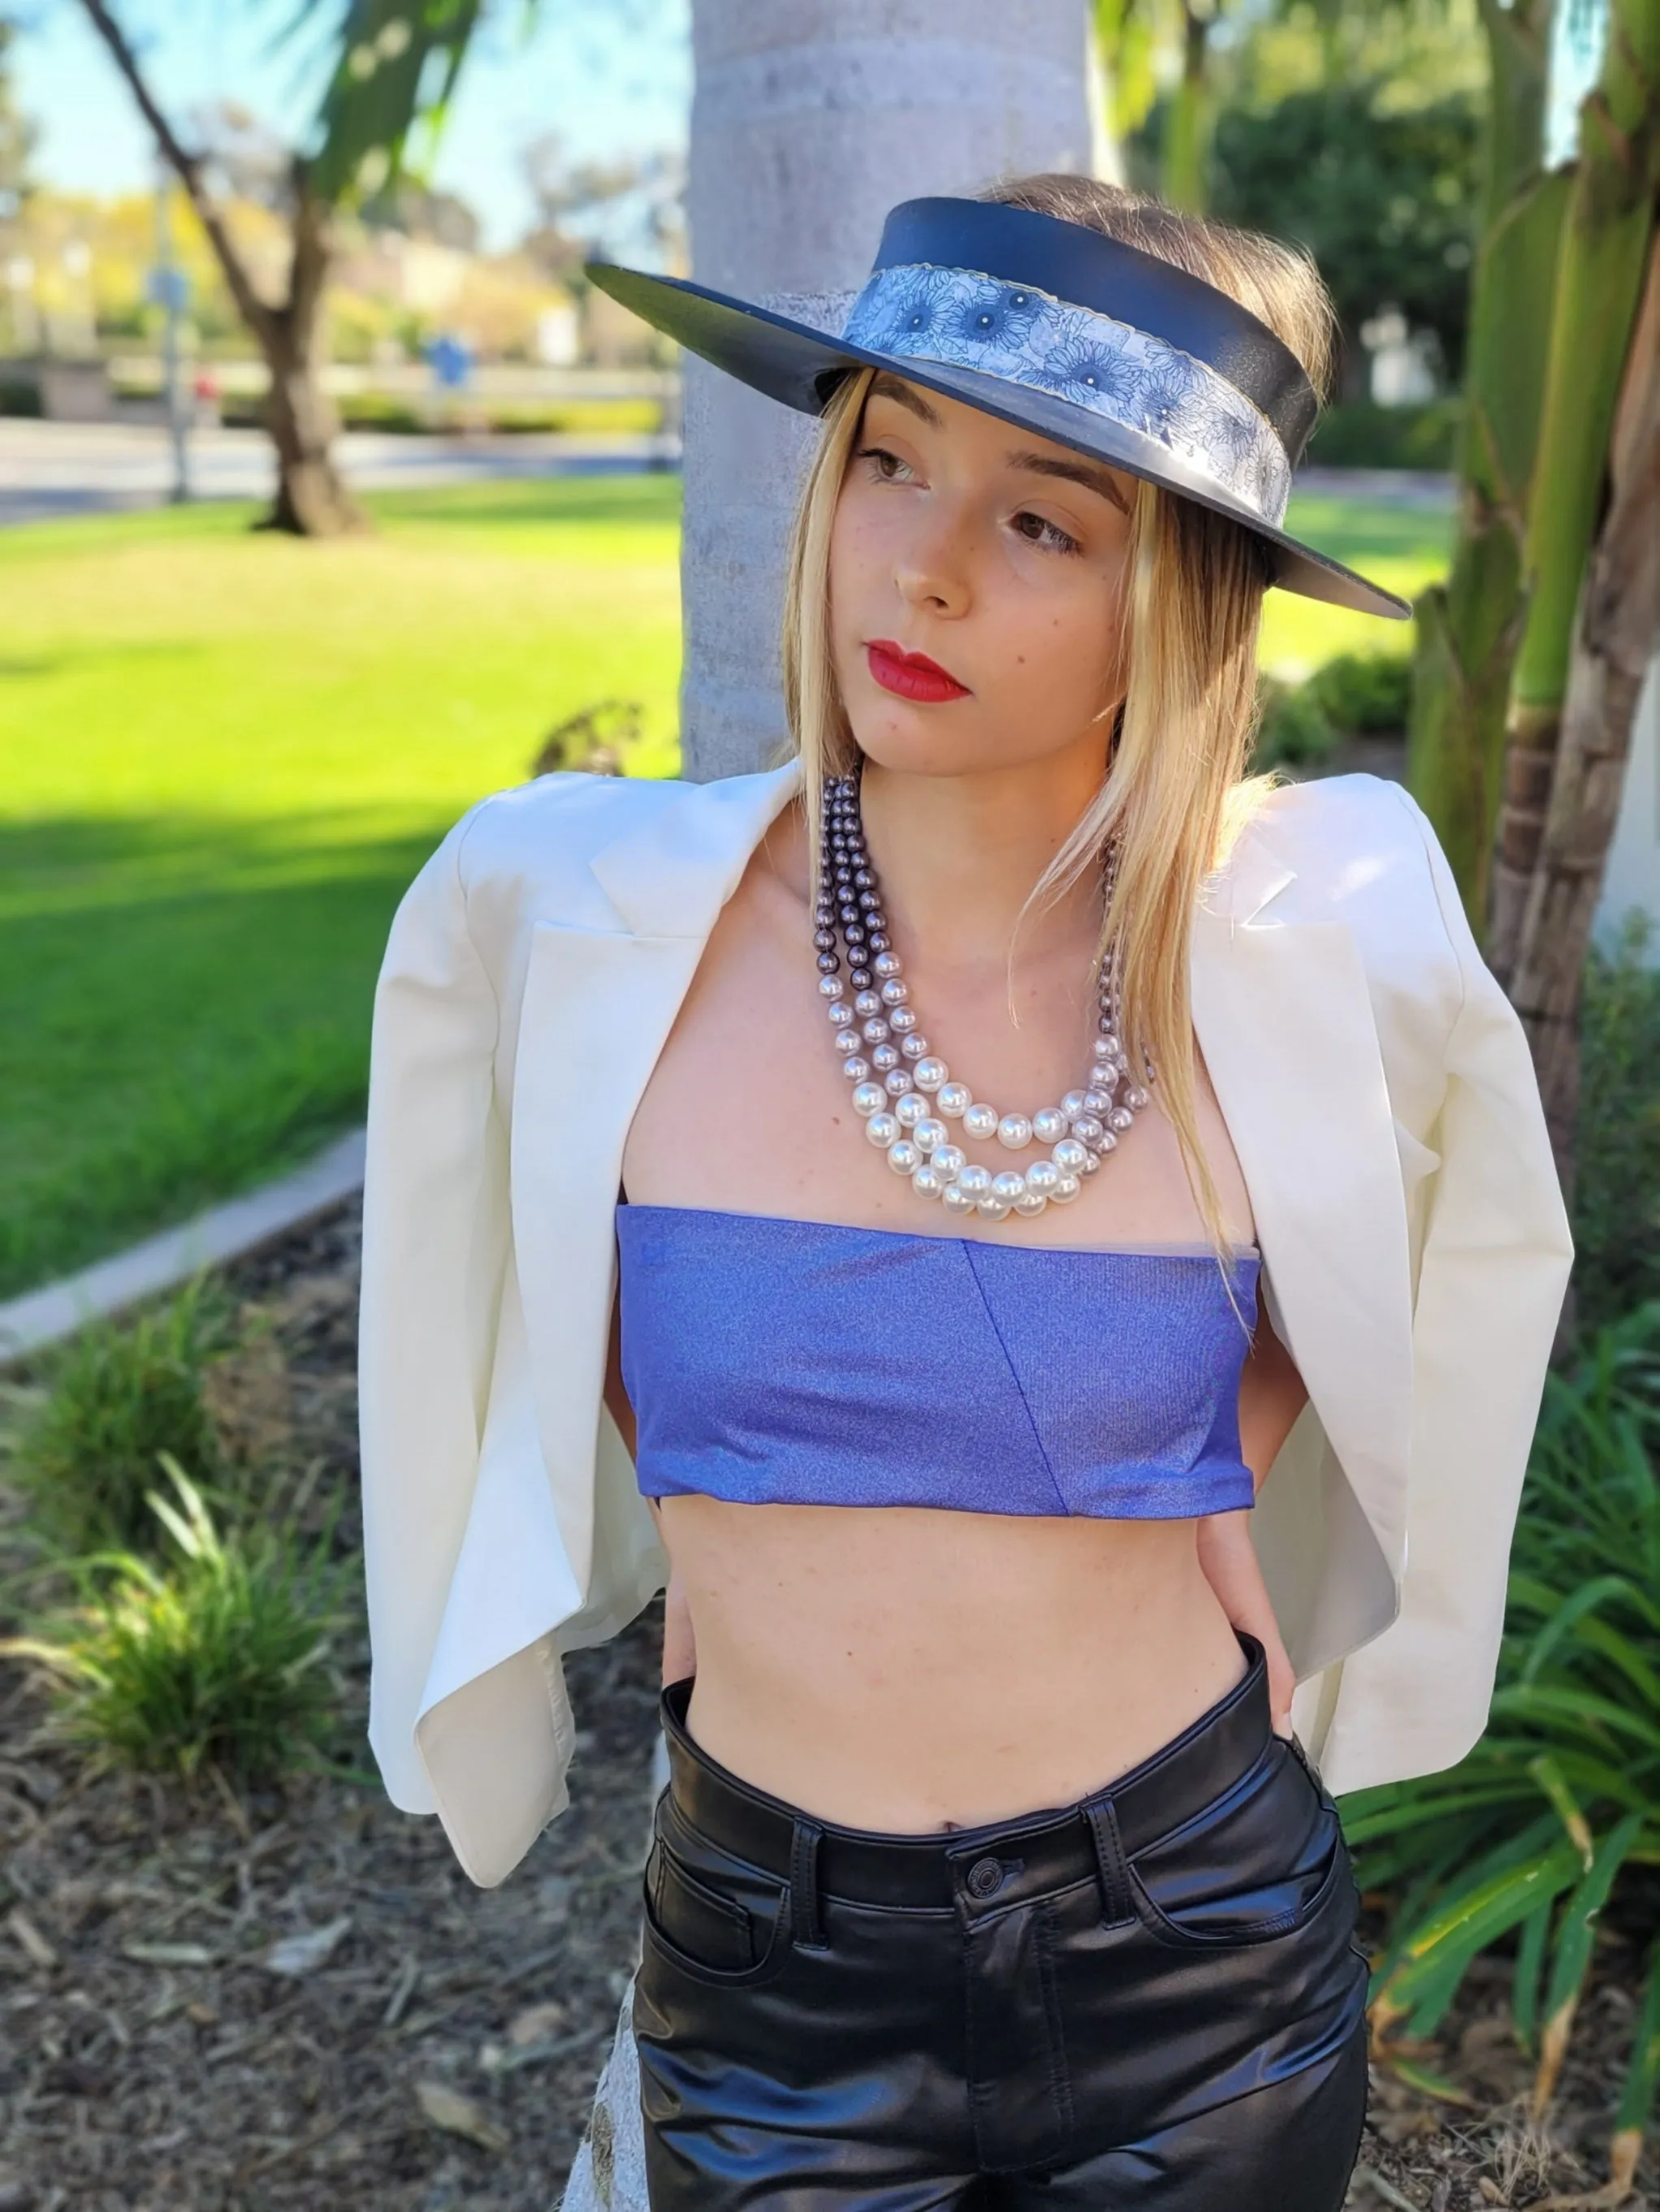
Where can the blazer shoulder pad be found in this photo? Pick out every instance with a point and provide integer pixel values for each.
(1363, 852)
(526, 852)
(1352, 842)
(1332, 826)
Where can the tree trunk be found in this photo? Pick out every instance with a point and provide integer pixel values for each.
(809, 120)
(312, 501)
(1468, 628)
(1186, 123)
(1604, 258)
(1616, 638)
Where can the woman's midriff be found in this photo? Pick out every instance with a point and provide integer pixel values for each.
(909, 1669)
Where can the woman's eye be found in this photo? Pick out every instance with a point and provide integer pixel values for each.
(885, 466)
(1037, 529)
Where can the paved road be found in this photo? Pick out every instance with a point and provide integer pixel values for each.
(51, 469)
(56, 469)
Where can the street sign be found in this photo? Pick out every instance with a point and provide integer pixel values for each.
(169, 289)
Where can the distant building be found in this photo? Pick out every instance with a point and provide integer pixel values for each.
(613, 338)
(559, 336)
(1632, 878)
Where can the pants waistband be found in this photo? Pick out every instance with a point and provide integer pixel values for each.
(1055, 1846)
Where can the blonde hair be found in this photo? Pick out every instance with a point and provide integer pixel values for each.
(1177, 793)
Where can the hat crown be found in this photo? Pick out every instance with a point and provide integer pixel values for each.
(1084, 268)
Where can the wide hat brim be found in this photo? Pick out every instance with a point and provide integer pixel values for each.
(801, 366)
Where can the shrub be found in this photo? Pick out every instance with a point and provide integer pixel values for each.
(218, 1660)
(1527, 1836)
(115, 1399)
(1358, 433)
(1616, 1204)
(1363, 695)
(1367, 694)
(1294, 730)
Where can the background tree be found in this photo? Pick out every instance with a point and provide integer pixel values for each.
(392, 65)
(1591, 561)
(1142, 42)
(1383, 196)
(18, 136)
(1468, 628)
(631, 209)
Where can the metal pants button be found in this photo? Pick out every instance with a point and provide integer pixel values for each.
(985, 1878)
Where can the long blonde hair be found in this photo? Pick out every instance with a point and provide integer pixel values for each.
(1177, 793)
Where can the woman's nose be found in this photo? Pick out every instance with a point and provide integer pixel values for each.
(934, 566)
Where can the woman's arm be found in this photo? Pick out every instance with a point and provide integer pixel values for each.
(1272, 1393)
(679, 1649)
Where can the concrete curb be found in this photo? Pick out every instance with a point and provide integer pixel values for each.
(46, 1316)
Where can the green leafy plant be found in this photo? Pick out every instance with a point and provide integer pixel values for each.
(1353, 695)
(219, 1660)
(1365, 694)
(1293, 729)
(86, 1458)
(1527, 1837)
(1358, 433)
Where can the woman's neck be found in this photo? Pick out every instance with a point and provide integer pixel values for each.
(958, 856)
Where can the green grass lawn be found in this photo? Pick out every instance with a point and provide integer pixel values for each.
(223, 754)
(1401, 548)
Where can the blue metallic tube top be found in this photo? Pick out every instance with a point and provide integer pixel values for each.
(771, 1361)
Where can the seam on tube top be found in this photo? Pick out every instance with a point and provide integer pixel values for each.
(1183, 1251)
(1014, 1377)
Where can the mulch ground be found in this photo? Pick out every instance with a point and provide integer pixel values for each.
(211, 2002)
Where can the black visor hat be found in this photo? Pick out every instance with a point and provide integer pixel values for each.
(1053, 327)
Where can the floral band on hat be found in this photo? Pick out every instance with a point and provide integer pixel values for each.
(920, 313)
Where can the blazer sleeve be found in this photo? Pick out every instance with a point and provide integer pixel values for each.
(436, 1238)
(1495, 1259)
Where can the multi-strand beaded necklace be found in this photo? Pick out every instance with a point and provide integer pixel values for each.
(902, 1088)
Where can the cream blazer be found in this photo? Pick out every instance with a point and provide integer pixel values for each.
(1379, 1094)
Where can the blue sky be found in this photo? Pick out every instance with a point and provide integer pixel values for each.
(610, 76)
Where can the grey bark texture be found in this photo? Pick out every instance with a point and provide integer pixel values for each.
(811, 118)
(609, 2174)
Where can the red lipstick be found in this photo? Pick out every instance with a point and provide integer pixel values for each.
(911, 675)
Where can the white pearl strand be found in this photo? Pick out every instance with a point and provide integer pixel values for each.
(905, 1093)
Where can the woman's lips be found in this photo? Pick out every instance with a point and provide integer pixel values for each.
(912, 675)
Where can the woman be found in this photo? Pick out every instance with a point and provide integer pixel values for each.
(993, 1868)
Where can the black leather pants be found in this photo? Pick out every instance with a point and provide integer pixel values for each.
(1151, 1999)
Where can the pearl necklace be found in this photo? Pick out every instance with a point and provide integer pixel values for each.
(904, 1092)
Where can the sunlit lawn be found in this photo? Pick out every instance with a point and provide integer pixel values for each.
(1401, 548)
(223, 755)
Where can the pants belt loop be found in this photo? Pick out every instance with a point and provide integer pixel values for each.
(808, 1928)
(1115, 1906)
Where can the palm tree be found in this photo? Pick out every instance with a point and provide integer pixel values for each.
(395, 62)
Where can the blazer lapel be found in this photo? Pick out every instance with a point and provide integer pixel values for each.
(1284, 1020)
(597, 1007)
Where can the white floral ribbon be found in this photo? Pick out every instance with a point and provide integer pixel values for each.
(962, 317)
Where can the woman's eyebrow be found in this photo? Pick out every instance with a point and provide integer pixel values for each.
(1045, 465)
(884, 385)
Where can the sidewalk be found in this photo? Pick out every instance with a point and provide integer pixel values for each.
(52, 469)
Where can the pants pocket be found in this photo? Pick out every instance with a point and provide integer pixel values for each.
(1263, 1860)
(706, 1912)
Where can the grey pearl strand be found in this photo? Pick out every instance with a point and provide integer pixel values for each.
(849, 921)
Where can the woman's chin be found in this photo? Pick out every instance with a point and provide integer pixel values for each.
(928, 741)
